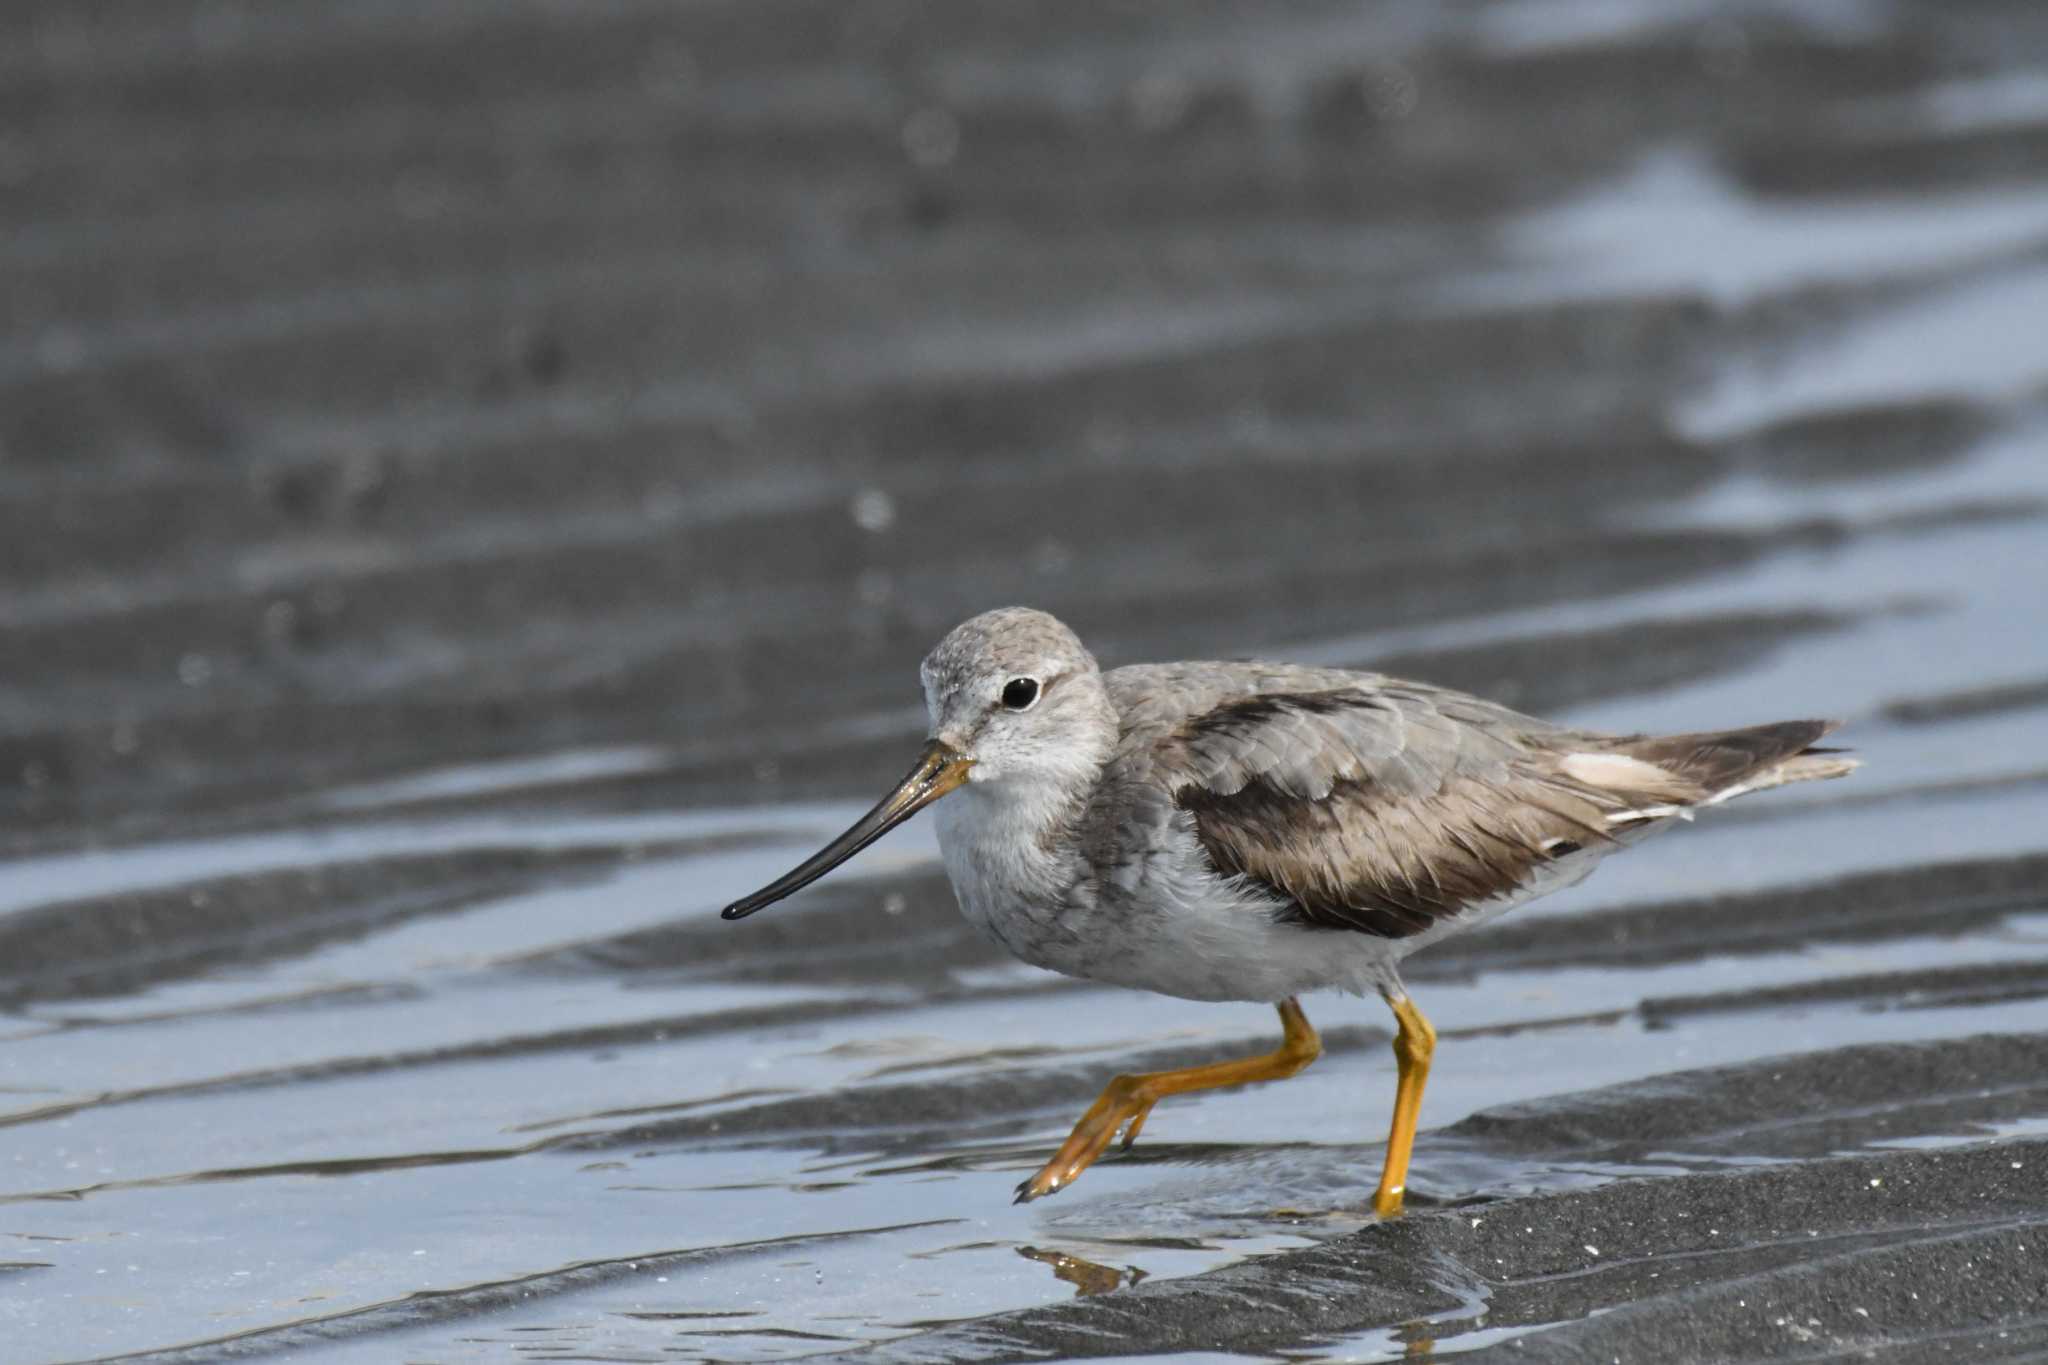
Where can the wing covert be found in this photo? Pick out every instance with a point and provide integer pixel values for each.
(1383, 808)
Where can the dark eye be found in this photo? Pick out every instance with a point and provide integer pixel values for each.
(1019, 693)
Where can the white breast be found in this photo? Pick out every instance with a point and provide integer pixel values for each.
(1010, 886)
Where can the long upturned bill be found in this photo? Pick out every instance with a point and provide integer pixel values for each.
(940, 768)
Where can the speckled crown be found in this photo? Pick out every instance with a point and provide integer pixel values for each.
(1008, 639)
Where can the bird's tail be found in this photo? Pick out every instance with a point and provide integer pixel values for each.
(1723, 764)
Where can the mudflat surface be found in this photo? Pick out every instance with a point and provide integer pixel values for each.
(476, 479)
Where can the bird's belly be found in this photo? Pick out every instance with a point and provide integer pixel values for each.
(1228, 946)
(1170, 925)
(1225, 950)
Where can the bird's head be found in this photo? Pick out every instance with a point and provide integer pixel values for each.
(1015, 701)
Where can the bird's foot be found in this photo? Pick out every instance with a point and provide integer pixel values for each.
(1123, 1104)
(1137, 1122)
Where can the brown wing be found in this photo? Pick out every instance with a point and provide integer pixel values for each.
(1388, 808)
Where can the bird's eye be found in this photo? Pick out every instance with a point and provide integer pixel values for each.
(1019, 693)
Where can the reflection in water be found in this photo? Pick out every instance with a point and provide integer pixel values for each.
(1087, 1277)
(1418, 1341)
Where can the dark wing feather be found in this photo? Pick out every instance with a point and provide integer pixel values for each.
(1721, 758)
(1384, 809)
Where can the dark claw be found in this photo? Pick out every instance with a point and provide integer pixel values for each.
(1025, 1195)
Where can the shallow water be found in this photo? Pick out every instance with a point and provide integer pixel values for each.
(421, 620)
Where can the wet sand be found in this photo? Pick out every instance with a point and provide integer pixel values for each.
(476, 480)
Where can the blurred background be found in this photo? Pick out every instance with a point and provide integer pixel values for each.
(477, 478)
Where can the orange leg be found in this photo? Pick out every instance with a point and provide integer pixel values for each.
(1414, 1045)
(1128, 1099)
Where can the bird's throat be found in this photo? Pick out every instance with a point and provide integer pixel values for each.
(1010, 848)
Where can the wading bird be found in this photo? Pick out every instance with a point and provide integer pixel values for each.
(1255, 831)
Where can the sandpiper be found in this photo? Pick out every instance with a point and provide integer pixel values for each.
(1256, 831)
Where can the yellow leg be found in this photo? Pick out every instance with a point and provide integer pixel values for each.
(1414, 1045)
(1128, 1099)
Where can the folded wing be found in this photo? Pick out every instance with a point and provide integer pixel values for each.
(1387, 807)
